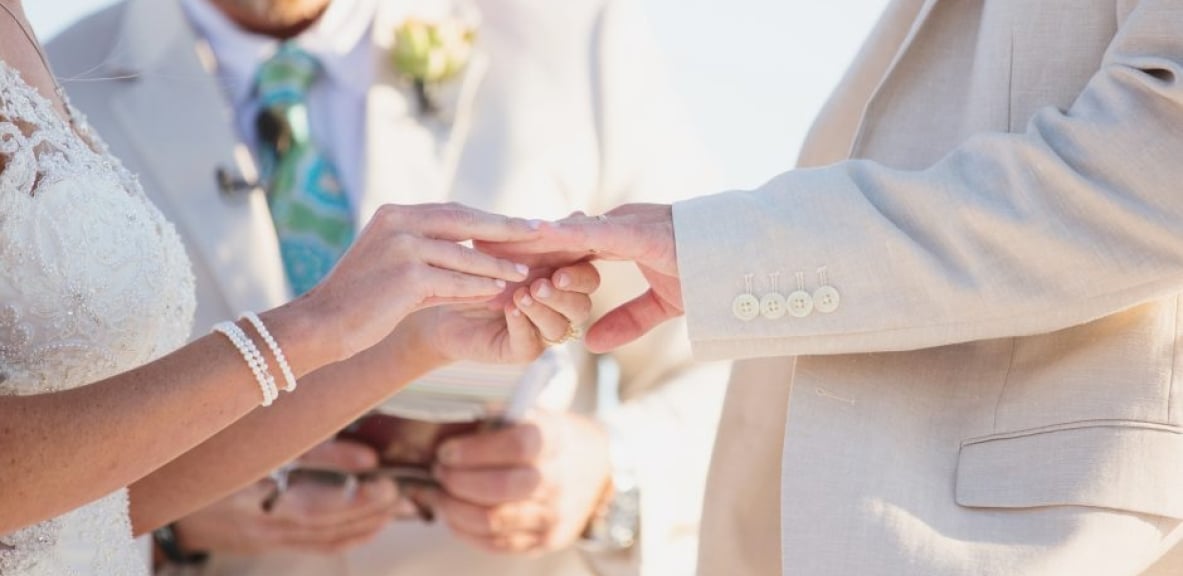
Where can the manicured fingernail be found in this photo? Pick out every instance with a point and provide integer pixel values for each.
(562, 281)
(522, 269)
(543, 290)
(534, 224)
(500, 283)
(526, 301)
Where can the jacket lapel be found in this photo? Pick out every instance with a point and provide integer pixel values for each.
(921, 19)
(918, 23)
(175, 115)
(412, 159)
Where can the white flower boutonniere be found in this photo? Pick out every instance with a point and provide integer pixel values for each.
(430, 54)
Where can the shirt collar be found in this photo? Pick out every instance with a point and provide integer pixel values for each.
(338, 39)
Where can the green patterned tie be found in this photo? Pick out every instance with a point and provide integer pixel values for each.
(308, 202)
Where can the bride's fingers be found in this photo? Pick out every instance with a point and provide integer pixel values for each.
(574, 307)
(544, 249)
(552, 325)
(452, 256)
(451, 287)
(457, 222)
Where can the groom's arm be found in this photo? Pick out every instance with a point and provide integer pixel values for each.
(1077, 218)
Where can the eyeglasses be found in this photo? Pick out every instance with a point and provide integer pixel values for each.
(292, 475)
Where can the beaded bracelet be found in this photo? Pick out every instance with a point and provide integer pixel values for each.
(254, 359)
(288, 378)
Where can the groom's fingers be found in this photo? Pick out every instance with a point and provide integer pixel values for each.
(551, 323)
(583, 278)
(630, 232)
(627, 323)
(574, 307)
(523, 337)
(573, 239)
(624, 233)
(609, 238)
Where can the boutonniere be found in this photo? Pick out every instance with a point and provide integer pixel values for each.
(430, 54)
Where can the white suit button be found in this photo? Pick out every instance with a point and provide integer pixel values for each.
(745, 307)
(826, 299)
(800, 304)
(773, 306)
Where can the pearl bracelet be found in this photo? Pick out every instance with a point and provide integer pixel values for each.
(254, 359)
(285, 368)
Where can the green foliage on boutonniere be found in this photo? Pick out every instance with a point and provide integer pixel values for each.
(431, 53)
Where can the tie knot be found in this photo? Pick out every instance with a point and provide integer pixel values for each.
(286, 77)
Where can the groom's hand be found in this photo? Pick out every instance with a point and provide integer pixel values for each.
(642, 233)
(550, 307)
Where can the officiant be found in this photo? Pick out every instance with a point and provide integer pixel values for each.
(270, 131)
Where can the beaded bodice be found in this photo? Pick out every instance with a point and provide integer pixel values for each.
(93, 282)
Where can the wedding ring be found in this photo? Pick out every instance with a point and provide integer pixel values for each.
(600, 219)
(573, 333)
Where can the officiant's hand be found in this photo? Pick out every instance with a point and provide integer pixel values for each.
(546, 309)
(307, 518)
(529, 488)
(641, 233)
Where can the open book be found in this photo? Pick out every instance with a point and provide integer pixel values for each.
(467, 392)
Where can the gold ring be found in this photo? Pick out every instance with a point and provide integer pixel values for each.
(573, 333)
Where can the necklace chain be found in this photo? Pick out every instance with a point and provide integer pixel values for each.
(57, 87)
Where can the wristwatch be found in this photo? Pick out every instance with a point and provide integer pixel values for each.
(616, 524)
(166, 539)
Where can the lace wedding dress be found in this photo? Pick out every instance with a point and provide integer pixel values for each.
(93, 282)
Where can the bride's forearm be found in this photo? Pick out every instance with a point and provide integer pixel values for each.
(326, 401)
(61, 450)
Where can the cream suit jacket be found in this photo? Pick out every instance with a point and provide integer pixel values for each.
(994, 191)
(560, 110)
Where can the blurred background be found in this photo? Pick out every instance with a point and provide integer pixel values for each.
(752, 72)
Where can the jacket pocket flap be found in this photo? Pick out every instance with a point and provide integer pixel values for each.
(1133, 466)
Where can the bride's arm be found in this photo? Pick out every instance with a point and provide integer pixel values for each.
(326, 401)
(338, 394)
(61, 450)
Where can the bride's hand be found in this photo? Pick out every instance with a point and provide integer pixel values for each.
(516, 331)
(406, 259)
